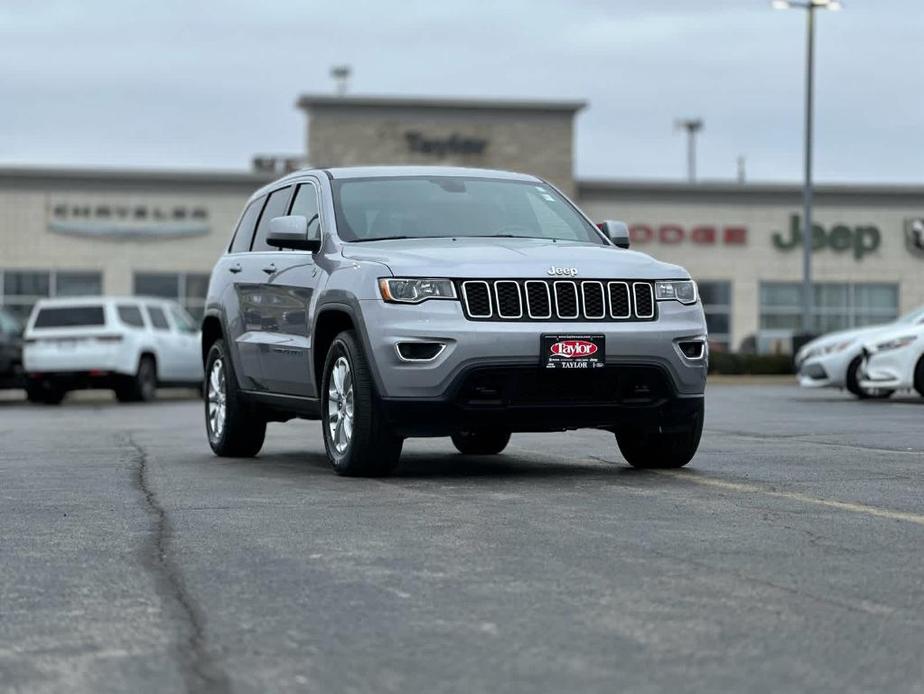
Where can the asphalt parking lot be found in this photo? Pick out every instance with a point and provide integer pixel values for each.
(789, 556)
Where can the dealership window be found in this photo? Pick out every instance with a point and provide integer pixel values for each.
(716, 298)
(21, 289)
(188, 288)
(836, 306)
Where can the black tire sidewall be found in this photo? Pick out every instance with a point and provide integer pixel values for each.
(245, 428)
(919, 376)
(338, 348)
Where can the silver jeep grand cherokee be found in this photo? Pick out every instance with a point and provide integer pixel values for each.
(392, 302)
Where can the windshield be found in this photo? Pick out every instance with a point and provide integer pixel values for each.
(912, 318)
(370, 209)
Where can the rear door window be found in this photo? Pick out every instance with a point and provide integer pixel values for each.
(275, 207)
(131, 315)
(70, 317)
(244, 233)
(158, 318)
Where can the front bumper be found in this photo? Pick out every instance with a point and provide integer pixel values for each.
(827, 370)
(470, 345)
(526, 398)
(890, 370)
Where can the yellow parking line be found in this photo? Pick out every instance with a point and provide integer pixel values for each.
(742, 488)
(795, 496)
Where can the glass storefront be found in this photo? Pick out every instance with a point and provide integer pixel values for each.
(836, 306)
(190, 289)
(21, 289)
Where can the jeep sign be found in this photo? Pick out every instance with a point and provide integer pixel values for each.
(860, 240)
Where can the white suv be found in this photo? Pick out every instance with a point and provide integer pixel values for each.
(129, 345)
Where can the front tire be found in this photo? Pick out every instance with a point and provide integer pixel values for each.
(234, 428)
(660, 450)
(484, 442)
(853, 384)
(357, 438)
(919, 377)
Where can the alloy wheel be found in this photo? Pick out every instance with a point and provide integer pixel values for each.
(217, 399)
(340, 405)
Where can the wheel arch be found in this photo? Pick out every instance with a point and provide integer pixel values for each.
(212, 331)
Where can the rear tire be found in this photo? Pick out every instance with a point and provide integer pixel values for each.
(484, 442)
(142, 387)
(661, 450)
(853, 384)
(919, 377)
(44, 393)
(234, 428)
(358, 439)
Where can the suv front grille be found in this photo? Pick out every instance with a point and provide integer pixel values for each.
(536, 300)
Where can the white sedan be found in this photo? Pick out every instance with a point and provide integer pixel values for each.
(895, 360)
(129, 345)
(834, 360)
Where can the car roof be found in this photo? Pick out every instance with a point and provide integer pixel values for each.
(96, 299)
(347, 172)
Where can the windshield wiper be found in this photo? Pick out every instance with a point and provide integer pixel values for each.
(382, 238)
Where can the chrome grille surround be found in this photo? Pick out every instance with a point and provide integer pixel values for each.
(642, 293)
(498, 285)
(468, 303)
(548, 300)
(557, 300)
(611, 288)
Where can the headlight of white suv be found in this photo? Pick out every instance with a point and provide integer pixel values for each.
(897, 343)
(412, 291)
(683, 291)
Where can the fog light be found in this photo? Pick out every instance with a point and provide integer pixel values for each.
(694, 349)
(419, 351)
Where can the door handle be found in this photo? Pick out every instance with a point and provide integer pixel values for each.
(236, 268)
(270, 269)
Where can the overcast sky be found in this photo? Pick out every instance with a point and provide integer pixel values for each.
(206, 84)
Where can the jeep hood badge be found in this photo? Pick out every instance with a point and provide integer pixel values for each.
(556, 271)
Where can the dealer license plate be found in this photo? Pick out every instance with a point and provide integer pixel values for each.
(573, 351)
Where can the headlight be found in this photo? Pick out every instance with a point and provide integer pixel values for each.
(897, 343)
(838, 346)
(413, 291)
(683, 291)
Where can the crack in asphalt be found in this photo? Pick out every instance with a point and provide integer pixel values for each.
(200, 672)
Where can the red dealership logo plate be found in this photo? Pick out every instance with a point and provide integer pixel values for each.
(573, 351)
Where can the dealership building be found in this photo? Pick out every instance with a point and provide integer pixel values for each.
(67, 232)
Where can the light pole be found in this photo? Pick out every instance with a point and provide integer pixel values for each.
(809, 6)
(692, 126)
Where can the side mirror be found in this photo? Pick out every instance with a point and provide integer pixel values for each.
(292, 232)
(617, 232)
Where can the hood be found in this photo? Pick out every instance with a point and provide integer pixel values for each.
(891, 332)
(861, 334)
(516, 258)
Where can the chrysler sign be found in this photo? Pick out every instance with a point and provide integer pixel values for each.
(124, 221)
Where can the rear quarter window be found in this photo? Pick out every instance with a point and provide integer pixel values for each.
(158, 318)
(69, 317)
(131, 316)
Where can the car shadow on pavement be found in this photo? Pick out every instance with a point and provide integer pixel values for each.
(436, 466)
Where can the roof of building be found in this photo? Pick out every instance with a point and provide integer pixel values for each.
(307, 101)
(744, 193)
(148, 179)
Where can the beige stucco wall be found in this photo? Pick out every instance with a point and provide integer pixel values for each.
(533, 142)
(26, 242)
